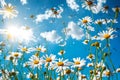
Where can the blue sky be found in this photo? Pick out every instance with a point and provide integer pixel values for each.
(74, 47)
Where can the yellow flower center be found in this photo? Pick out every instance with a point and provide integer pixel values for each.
(107, 73)
(90, 56)
(48, 59)
(77, 62)
(68, 71)
(106, 36)
(8, 8)
(24, 49)
(60, 64)
(89, 3)
(106, 7)
(99, 22)
(86, 41)
(83, 76)
(84, 21)
(117, 9)
(61, 51)
(36, 61)
(56, 13)
(38, 49)
(16, 54)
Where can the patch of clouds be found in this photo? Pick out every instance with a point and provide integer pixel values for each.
(73, 5)
(23, 2)
(49, 14)
(74, 31)
(51, 36)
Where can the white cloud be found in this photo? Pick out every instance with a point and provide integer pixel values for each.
(72, 4)
(51, 36)
(74, 31)
(23, 2)
(49, 14)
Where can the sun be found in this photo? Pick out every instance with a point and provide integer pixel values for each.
(20, 34)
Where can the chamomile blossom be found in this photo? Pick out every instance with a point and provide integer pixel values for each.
(8, 11)
(62, 64)
(30, 75)
(88, 4)
(113, 21)
(116, 9)
(16, 54)
(99, 21)
(61, 52)
(24, 49)
(35, 62)
(118, 70)
(105, 9)
(85, 21)
(100, 64)
(90, 65)
(82, 76)
(56, 13)
(91, 57)
(49, 60)
(106, 73)
(108, 34)
(39, 48)
(85, 42)
(78, 62)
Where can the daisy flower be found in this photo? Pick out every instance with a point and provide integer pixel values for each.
(90, 65)
(62, 65)
(113, 21)
(78, 62)
(24, 49)
(85, 21)
(106, 73)
(88, 4)
(100, 64)
(85, 42)
(118, 70)
(91, 57)
(68, 71)
(30, 75)
(49, 60)
(8, 11)
(56, 13)
(108, 34)
(105, 9)
(16, 54)
(99, 21)
(39, 48)
(116, 9)
(82, 76)
(61, 52)
(94, 38)
(34, 62)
